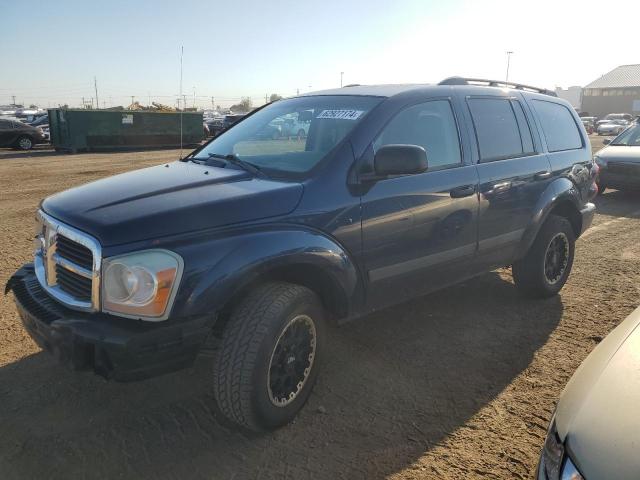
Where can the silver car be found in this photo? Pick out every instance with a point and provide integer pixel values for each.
(619, 161)
(612, 127)
(595, 431)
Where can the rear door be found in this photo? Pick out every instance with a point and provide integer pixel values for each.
(513, 172)
(419, 231)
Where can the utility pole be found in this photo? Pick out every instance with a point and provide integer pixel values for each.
(341, 75)
(14, 99)
(508, 62)
(297, 91)
(265, 98)
(132, 97)
(83, 102)
(213, 106)
(95, 85)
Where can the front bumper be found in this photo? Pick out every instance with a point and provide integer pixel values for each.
(113, 347)
(587, 213)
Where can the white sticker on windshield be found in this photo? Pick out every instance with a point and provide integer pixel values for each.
(341, 114)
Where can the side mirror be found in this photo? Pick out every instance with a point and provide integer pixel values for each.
(606, 141)
(400, 160)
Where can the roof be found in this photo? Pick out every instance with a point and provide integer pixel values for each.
(623, 76)
(372, 90)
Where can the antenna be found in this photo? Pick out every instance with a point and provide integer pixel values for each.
(185, 102)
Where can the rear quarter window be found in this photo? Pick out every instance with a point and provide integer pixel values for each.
(558, 125)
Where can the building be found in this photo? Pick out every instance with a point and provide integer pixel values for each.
(615, 92)
(573, 95)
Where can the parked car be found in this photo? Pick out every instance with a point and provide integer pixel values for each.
(612, 127)
(19, 135)
(217, 126)
(595, 430)
(619, 161)
(292, 127)
(589, 124)
(39, 120)
(247, 248)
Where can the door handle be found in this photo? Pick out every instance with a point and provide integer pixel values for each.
(543, 175)
(498, 188)
(463, 191)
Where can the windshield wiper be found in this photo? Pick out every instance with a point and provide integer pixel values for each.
(235, 160)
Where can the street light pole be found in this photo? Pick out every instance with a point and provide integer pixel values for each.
(508, 63)
(341, 75)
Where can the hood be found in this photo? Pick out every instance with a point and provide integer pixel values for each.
(170, 199)
(614, 153)
(599, 412)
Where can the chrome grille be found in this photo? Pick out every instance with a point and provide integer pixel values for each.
(74, 252)
(77, 286)
(67, 264)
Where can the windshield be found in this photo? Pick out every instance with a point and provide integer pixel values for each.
(630, 137)
(291, 136)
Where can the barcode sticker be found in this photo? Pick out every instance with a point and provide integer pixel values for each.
(341, 114)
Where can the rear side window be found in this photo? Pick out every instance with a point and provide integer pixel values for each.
(501, 128)
(558, 125)
(430, 125)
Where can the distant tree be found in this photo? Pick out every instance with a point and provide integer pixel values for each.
(33, 106)
(245, 105)
(275, 97)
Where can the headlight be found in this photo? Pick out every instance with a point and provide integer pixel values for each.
(555, 464)
(552, 453)
(141, 285)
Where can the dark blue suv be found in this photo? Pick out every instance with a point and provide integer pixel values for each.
(250, 244)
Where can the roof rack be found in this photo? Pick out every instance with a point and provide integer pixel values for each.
(495, 83)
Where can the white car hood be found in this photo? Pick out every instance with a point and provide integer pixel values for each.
(598, 415)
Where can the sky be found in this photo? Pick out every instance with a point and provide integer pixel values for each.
(51, 51)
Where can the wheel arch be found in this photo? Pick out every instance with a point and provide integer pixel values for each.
(560, 198)
(297, 256)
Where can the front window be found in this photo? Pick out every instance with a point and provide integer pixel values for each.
(629, 138)
(290, 137)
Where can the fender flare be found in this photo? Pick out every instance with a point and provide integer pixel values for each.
(560, 191)
(243, 259)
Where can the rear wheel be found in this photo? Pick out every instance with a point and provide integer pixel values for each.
(24, 143)
(546, 267)
(268, 359)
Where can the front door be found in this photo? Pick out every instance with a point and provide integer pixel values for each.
(419, 231)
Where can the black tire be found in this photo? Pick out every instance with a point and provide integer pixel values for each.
(538, 275)
(24, 142)
(246, 361)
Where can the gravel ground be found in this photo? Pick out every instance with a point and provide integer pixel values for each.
(458, 384)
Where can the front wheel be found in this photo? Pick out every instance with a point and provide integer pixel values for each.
(24, 143)
(268, 359)
(545, 268)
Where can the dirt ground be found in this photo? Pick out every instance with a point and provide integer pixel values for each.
(459, 384)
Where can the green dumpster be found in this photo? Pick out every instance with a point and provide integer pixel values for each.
(73, 130)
